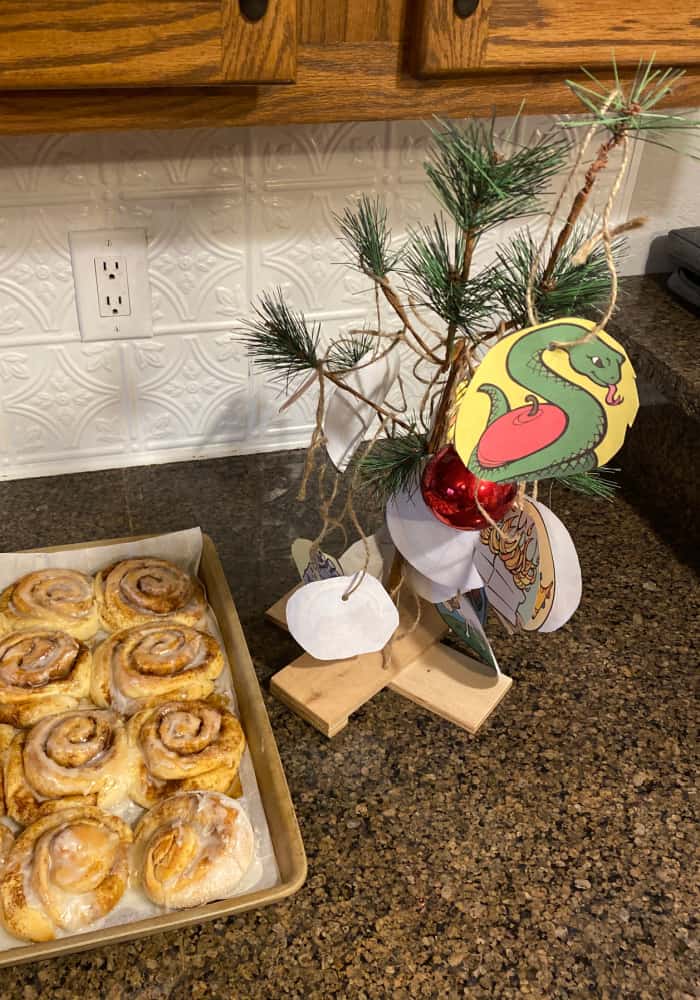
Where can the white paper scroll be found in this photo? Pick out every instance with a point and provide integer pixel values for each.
(347, 418)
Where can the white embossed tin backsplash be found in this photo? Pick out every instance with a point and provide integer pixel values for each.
(228, 213)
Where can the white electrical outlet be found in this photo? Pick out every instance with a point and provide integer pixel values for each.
(112, 276)
(112, 293)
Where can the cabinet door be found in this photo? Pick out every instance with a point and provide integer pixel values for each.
(133, 43)
(552, 34)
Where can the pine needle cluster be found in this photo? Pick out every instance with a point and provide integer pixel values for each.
(633, 107)
(573, 289)
(393, 464)
(432, 264)
(280, 341)
(480, 187)
(598, 484)
(365, 232)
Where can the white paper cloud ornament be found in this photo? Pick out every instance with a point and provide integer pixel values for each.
(330, 627)
(443, 554)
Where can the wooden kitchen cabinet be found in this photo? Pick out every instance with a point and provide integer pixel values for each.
(77, 64)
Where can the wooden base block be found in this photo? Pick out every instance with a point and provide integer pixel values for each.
(277, 614)
(327, 692)
(452, 685)
(443, 680)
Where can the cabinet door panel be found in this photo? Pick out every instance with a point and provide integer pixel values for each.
(553, 35)
(447, 45)
(263, 51)
(133, 43)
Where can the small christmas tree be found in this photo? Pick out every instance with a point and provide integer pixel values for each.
(451, 317)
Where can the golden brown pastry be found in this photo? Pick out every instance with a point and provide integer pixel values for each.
(141, 591)
(138, 667)
(42, 671)
(64, 872)
(183, 746)
(77, 756)
(193, 847)
(7, 734)
(51, 599)
(6, 842)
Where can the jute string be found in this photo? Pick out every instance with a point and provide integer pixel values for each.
(610, 260)
(395, 594)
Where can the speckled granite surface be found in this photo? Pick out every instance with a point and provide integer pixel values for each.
(550, 857)
(662, 336)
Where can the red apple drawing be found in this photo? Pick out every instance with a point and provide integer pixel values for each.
(521, 432)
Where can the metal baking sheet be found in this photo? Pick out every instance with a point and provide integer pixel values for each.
(279, 810)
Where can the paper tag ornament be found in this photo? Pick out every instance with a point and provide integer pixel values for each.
(347, 418)
(330, 627)
(536, 412)
(530, 569)
(443, 554)
(313, 563)
(463, 619)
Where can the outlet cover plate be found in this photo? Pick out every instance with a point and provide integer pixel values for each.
(129, 245)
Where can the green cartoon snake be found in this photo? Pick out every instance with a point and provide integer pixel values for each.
(556, 437)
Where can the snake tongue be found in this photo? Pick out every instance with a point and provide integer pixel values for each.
(612, 398)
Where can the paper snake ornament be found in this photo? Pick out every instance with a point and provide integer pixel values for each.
(552, 411)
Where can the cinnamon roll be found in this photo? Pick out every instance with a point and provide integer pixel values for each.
(7, 734)
(42, 671)
(53, 599)
(139, 667)
(64, 873)
(140, 591)
(192, 848)
(77, 756)
(6, 842)
(183, 746)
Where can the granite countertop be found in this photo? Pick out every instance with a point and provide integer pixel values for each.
(549, 857)
(662, 336)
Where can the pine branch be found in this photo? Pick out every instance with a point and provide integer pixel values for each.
(280, 341)
(598, 484)
(347, 353)
(365, 232)
(434, 265)
(571, 289)
(480, 187)
(579, 202)
(394, 464)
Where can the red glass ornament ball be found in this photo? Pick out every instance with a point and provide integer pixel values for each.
(449, 489)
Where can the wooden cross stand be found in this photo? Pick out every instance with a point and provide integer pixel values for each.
(421, 668)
